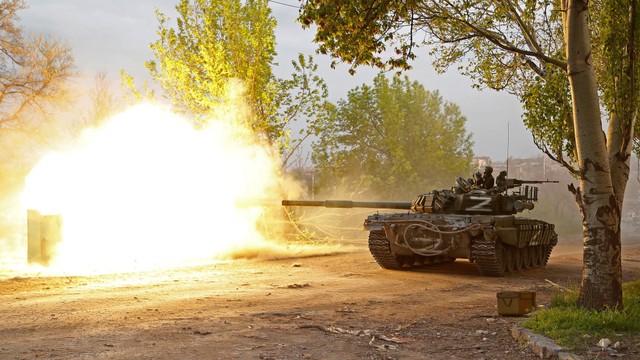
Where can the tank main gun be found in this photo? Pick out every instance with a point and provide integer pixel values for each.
(348, 204)
(461, 199)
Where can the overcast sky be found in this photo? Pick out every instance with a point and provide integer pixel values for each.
(110, 35)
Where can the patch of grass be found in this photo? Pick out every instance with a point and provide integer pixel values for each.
(573, 327)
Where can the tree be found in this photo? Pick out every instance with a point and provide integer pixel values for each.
(104, 102)
(213, 43)
(33, 75)
(217, 44)
(33, 70)
(392, 139)
(301, 98)
(545, 53)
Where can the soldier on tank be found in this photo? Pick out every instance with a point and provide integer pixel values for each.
(477, 179)
(487, 178)
(501, 181)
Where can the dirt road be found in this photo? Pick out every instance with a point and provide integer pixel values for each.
(339, 306)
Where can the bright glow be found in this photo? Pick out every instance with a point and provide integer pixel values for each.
(146, 190)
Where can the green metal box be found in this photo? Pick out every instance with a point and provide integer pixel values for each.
(516, 303)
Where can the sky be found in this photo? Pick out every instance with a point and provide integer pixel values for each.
(109, 36)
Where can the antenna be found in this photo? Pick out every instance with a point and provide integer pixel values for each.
(508, 146)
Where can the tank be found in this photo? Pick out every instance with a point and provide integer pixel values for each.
(467, 221)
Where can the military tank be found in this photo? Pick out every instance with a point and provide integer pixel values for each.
(464, 222)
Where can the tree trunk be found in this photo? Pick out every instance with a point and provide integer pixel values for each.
(602, 270)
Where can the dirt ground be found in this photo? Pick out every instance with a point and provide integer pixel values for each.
(338, 306)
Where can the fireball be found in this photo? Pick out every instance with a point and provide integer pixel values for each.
(147, 189)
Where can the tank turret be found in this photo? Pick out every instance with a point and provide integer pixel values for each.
(465, 198)
(461, 199)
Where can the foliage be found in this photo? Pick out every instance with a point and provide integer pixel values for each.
(217, 47)
(547, 114)
(501, 45)
(303, 97)
(570, 324)
(213, 43)
(505, 45)
(616, 38)
(392, 139)
(104, 102)
(359, 32)
(132, 95)
(33, 70)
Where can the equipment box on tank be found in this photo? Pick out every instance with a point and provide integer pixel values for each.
(516, 302)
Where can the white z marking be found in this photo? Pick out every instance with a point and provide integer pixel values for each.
(480, 206)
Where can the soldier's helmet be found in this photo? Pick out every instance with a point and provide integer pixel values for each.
(503, 173)
(488, 170)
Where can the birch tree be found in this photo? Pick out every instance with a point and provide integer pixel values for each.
(564, 59)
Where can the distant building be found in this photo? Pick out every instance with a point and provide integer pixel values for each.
(538, 167)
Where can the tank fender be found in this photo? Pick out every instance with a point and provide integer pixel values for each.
(508, 235)
(373, 226)
(504, 228)
(488, 233)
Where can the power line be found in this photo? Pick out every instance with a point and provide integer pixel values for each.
(283, 4)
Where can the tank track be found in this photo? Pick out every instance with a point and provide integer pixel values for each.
(488, 257)
(380, 248)
(381, 251)
(491, 256)
(549, 248)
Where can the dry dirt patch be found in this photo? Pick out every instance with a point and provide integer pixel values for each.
(340, 306)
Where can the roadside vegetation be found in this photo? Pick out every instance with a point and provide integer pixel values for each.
(577, 328)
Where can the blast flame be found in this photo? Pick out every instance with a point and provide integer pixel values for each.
(146, 189)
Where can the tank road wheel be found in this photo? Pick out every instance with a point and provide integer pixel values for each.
(533, 254)
(535, 258)
(488, 256)
(526, 255)
(505, 258)
(537, 255)
(509, 258)
(428, 260)
(446, 259)
(519, 255)
(380, 249)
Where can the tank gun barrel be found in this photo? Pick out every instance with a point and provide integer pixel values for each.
(347, 204)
